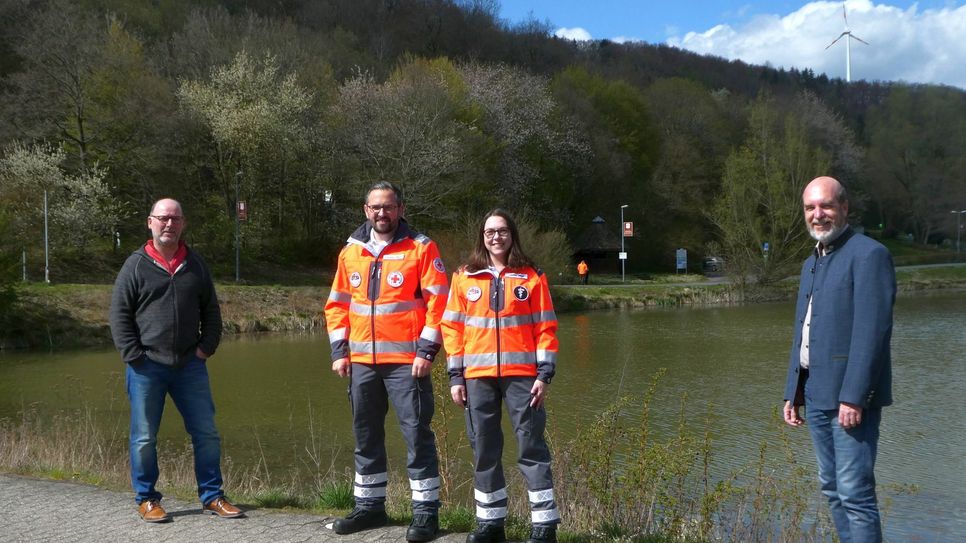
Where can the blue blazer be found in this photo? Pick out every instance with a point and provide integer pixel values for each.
(853, 289)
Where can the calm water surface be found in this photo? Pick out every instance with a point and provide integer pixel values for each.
(275, 393)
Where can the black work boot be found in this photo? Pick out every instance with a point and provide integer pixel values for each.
(487, 533)
(543, 534)
(360, 519)
(423, 528)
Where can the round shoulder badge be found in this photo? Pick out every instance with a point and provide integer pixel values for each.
(395, 279)
(521, 293)
(473, 294)
(438, 264)
(355, 279)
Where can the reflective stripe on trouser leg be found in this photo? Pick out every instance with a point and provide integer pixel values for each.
(412, 399)
(543, 508)
(369, 407)
(533, 457)
(370, 487)
(490, 506)
(484, 412)
(425, 490)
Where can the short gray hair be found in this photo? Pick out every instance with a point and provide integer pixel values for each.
(386, 185)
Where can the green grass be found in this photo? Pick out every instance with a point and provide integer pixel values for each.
(336, 495)
(906, 253)
(278, 498)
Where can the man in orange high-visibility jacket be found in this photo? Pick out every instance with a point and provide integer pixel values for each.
(383, 313)
(583, 270)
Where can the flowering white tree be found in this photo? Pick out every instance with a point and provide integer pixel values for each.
(81, 207)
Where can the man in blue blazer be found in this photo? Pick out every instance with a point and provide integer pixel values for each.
(840, 365)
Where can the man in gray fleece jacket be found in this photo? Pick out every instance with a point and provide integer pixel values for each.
(166, 323)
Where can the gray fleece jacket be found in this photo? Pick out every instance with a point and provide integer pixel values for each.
(161, 316)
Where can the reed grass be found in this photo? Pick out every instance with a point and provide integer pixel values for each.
(617, 479)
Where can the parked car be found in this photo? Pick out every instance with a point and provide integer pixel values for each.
(712, 264)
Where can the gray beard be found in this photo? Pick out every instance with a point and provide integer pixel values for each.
(826, 237)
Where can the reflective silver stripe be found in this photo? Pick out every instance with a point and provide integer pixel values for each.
(481, 322)
(424, 484)
(473, 360)
(489, 497)
(454, 316)
(489, 359)
(527, 357)
(431, 334)
(513, 320)
(365, 347)
(386, 309)
(490, 513)
(437, 290)
(540, 495)
(454, 362)
(544, 355)
(516, 320)
(421, 238)
(369, 491)
(372, 479)
(426, 496)
(544, 316)
(342, 297)
(549, 515)
(337, 334)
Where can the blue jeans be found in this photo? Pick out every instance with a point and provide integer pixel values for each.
(846, 463)
(148, 383)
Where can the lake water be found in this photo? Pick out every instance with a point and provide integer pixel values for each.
(274, 393)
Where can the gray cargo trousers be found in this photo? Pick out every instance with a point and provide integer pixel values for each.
(483, 417)
(371, 388)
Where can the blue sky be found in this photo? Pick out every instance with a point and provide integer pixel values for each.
(920, 42)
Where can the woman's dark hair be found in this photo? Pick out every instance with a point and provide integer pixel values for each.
(480, 258)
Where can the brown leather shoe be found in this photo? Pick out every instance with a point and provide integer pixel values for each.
(224, 509)
(151, 511)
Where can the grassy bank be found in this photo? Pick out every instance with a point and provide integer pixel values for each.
(67, 316)
(75, 315)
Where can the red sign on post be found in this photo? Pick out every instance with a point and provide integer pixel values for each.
(242, 211)
(628, 229)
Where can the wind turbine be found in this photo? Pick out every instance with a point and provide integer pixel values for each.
(849, 36)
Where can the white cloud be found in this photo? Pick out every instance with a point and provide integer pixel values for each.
(906, 44)
(624, 39)
(576, 33)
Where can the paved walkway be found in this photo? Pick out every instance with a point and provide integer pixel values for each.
(41, 510)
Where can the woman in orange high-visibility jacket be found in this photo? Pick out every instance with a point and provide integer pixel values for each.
(500, 334)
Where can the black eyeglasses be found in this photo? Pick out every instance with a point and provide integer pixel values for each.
(388, 208)
(165, 218)
(489, 233)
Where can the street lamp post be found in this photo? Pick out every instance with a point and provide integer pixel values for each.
(46, 244)
(959, 215)
(623, 256)
(237, 229)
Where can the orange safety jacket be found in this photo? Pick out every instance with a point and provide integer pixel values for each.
(500, 325)
(386, 301)
(582, 268)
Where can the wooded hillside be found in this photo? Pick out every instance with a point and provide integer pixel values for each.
(298, 105)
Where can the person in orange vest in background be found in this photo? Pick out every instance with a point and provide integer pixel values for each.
(383, 314)
(500, 334)
(583, 270)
